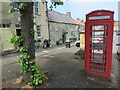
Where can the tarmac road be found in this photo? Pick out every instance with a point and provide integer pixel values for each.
(64, 71)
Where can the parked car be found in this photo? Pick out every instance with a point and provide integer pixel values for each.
(77, 43)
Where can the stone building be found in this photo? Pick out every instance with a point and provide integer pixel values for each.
(81, 32)
(59, 24)
(10, 24)
(116, 37)
(81, 26)
(50, 25)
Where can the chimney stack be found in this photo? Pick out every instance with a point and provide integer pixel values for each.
(68, 14)
(82, 20)
(78, 18)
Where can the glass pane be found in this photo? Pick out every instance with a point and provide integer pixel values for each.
(39, 34)
(98, 68)
(98, 46)
(98, 27)
(96, 57)
(94, 34)
(97, 52)
(4, 25)
(98, 40)
(99, 63)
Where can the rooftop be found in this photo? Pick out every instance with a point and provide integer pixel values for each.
(79, 22)
(59, 17)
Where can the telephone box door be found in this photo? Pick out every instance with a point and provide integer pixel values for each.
(98, 48)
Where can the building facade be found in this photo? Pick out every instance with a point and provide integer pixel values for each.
(116, 37)
(10, 24)
(50, 25)
(81, 26)
(61, 27)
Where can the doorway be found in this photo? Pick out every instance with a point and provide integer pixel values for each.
(18, 33)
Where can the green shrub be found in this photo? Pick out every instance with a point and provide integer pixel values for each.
(59, 42)
(74, 38)
(65, 33)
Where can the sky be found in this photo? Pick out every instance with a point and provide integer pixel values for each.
(79, 9)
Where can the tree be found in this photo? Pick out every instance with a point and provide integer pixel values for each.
(32, 74)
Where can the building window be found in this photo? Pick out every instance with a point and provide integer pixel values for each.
(118, 33)
(56, 27)
(17, 26)
(1, 25)
(65, 27)
(68, 27)
(81, 27)
(8, 25)
(35, 7)
(73, 33)
(76, 28)
(4, 25)
(39, 35)
(15, 5)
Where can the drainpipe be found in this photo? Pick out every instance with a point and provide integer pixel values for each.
(47, 20)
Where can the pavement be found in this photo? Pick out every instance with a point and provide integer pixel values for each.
(65, 71)
(9, 60)
(114, 75)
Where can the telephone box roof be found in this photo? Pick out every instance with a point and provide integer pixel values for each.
(100, 11)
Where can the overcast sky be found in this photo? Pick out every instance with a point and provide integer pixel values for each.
(79, 9)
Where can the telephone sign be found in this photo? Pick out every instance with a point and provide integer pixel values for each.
(99, 17)
(98, 42)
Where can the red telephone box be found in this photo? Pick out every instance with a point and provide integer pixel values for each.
(98, 42)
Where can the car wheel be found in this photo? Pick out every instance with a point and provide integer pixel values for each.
(77, 44)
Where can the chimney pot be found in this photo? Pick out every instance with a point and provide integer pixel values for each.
(68, 14)
(78, 19)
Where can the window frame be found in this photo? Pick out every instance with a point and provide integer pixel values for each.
(5, 26)
(38, 31)
(36, 8)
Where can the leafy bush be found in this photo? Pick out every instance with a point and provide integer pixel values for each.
(28, 64)
(59, 42)
(73, 38)
(65, 33)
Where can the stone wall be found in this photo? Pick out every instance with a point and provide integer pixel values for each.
(57, 29)
(14, 18)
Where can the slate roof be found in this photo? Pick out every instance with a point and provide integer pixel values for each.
(54, 16)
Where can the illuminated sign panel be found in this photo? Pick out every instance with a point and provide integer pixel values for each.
(99, 17)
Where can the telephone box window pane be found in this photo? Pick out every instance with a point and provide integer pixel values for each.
(96, 57)
(98, 27)
(99, 63)
(98, 46)
(101, 69)
(99, 40)
(94, 34)
(98, 52)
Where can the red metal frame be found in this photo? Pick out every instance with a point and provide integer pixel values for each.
(104, 64)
